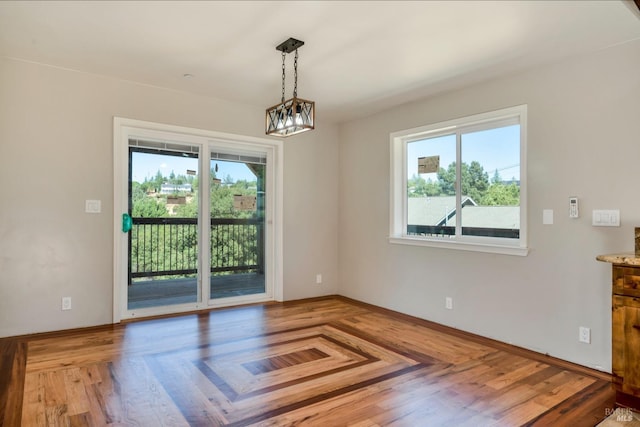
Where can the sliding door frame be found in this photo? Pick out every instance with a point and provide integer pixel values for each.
(125, 129)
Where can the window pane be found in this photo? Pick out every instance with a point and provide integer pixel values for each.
(431, 196)
(491, 182)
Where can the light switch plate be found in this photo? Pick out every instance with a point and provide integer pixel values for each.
(92, 206)
(606, 218)
(547, 217)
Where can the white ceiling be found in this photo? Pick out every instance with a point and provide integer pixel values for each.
(359, 57)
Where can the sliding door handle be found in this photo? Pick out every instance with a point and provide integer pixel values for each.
(127, 222)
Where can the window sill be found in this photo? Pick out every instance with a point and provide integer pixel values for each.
(461, 246)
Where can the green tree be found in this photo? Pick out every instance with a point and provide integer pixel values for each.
(149, 207)
(146, 186)
(447, 180)
(138, 192)
(496, 178)
(188, 210)
(475, 181)
(158, 180)
(419, 187)
(499, 194)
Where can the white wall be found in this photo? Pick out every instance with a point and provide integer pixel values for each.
(56, 151)
(583, 140)
(311, 215)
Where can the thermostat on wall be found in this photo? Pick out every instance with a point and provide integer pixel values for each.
(573, 207)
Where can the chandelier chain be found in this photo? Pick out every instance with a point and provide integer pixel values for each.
(284, 55)
(295, 75)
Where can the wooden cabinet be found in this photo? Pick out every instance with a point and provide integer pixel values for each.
(625, 324)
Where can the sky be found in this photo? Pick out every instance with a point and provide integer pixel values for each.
(493, 149)
(147, 165)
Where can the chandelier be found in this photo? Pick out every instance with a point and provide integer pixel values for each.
(295, 115)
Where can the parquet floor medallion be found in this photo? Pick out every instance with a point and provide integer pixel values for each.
(248, 380)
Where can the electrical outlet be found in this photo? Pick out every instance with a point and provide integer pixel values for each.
(448, 303)
(584, 335)
(318, 278)
(66, 303)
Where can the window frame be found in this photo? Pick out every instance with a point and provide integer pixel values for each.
(398, 174)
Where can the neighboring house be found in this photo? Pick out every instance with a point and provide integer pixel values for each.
(441, 211)
(175, 188)
(435, 210)
(507, 217)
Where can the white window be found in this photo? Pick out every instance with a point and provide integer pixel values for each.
(461, 184)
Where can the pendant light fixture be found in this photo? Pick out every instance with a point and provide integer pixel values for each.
(294, 115)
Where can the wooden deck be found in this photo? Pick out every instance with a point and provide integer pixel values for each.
(154, 293)
(327, 362)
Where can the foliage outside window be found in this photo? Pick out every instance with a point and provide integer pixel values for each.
(175, 196)
(461, 184)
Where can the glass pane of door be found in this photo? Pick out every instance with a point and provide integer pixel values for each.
(237, 200)
(163, 241)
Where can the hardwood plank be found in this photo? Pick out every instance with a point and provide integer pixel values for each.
(13, 358)
(285, 361)
(325, 361)
(584, 409)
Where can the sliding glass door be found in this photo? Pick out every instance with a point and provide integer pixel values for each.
(195, 223)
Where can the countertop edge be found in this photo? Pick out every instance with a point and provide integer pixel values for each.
(620, 259)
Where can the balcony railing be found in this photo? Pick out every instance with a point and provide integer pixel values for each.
(443, 230)
(169, 246)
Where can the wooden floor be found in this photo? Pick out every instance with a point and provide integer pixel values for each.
(328, 361)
